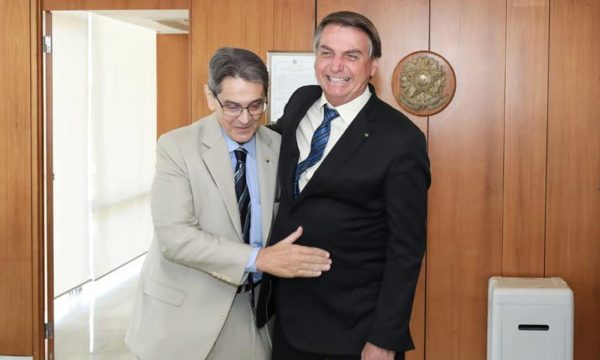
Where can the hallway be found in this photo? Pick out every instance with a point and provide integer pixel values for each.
(90, 323)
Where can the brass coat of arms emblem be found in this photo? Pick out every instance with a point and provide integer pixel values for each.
(423, 83)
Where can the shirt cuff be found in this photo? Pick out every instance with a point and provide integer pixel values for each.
(251, 264)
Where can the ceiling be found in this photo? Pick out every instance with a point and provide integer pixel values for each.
(162, 21)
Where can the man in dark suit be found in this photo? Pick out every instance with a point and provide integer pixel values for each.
(354, 174)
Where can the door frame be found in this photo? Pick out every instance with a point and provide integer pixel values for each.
(42, 62)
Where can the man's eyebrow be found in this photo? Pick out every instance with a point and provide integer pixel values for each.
(229, 102)
(353, 52)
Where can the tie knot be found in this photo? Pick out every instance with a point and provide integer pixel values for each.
(329, 113)
(240, 154)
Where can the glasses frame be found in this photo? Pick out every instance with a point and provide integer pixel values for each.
(247, 108)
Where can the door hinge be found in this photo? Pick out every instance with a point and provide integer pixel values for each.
(49, 331)
(47, 44)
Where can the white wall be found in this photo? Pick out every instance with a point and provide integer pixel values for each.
(123, 129)
(70, 112)
(104, 144)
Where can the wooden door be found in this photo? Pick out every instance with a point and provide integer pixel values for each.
(49, 268)
(20, 188)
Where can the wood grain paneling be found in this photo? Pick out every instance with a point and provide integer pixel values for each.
(113, 4)
(236, 23)
(526, 96)
(465, 199)
(172, 82)
(288, 17)
(403, 28)
(16, 228)
(573, 206)
(241, 23)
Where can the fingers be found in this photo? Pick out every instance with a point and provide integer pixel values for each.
(293, 236)
(311, 251)
(317, 260)
(305, 250)
(309, 273)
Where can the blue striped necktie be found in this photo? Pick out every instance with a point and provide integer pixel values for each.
(242, 192)
(317, 146)
(243, 197)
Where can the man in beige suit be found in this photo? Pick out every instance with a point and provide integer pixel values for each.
(196, 292)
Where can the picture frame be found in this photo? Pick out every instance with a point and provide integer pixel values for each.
(288, 70)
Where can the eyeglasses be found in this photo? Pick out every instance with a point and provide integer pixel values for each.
(233, 110)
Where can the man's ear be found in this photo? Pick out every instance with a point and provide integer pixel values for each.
(210, 98)
(374, 65)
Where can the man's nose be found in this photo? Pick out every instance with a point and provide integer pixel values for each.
(245, 116)
(337, 64)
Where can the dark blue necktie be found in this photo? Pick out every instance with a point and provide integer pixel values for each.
(317, 146)
(242, 192)
(243, 197)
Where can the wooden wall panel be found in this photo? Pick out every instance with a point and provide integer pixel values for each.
(113, 4)
(16, 227)
(288, 17)
(573, 207)
(237, 23)
(172, 82)
(465, 200)
(38, 181)
(249, 24)
(403, 28)
(526, 94)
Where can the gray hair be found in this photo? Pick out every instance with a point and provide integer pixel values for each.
(355, 20)
(236, 63)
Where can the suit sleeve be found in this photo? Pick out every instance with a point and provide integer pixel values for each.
(405, 194)
(176, 229)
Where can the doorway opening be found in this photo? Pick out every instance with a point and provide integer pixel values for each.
(101, 128)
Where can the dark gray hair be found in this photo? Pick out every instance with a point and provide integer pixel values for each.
(355, 20)
(236, 63)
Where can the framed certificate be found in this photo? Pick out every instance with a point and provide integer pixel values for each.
(288, 71)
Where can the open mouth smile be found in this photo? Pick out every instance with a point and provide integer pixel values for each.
(339, 80)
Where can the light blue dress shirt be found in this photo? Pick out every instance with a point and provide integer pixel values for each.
(252, 182)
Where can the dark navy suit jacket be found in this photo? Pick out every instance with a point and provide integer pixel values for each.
(367, 205)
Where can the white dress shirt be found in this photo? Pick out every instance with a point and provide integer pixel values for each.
(314, 117)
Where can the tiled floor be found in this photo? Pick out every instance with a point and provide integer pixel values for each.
(91, 324)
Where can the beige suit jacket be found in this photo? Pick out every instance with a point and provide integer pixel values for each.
(197, 257)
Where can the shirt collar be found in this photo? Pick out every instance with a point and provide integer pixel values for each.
(232, 145)
(349, 110)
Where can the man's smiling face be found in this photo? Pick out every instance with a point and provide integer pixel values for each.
(343, 66)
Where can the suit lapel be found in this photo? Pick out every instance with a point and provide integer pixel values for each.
(355, 135)
(266, 162)
(218, 163)
(289, 162)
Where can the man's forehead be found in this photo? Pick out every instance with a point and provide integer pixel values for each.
(330, 37)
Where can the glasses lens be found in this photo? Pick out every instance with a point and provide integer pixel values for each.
(257, 108)
(232, 110)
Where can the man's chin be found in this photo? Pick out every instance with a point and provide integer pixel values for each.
(243, 137)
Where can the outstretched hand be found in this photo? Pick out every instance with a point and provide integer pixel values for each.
(286, 259)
